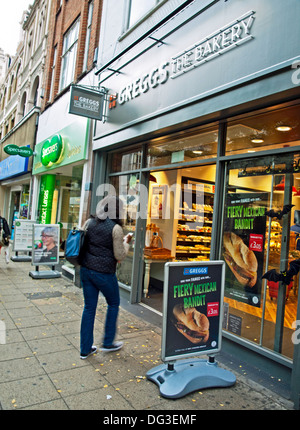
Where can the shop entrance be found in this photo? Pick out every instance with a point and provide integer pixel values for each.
(14, 208)
(179, 224)
(261, 310)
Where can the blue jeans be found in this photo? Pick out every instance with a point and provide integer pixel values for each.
(93, 282)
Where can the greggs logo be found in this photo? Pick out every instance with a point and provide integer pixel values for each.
(195, 270)
(224, 39)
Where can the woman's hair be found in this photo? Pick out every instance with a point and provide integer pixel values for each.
(51, 231)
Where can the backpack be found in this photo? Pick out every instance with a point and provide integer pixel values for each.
(298, 242)
(3, 238)
(74, 246)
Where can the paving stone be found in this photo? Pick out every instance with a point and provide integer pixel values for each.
(27, 392)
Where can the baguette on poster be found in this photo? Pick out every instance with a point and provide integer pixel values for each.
(191, 323)
(240, 259)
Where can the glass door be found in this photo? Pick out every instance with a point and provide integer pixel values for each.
(259, 237)
(126, 187)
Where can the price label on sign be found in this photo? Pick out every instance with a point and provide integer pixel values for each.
(213, 309)
(256, 242)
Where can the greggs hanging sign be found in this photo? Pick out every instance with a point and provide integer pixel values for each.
(218, 43)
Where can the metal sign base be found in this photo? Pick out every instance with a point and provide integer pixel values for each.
(21, 258)
(189, 375)
(44, 274)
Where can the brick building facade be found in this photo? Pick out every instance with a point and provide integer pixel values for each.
(64, 15)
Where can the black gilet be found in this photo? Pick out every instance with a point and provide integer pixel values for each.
(98, 252)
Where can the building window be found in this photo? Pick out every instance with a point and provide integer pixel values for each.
(23, 104)
(88, 35)
(139, 8)
(53, 73)
(69, 55)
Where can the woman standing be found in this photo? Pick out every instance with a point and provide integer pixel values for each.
(4, 237)
(105, 245)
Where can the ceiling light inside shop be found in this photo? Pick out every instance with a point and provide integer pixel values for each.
(198, 152)
(283, 128)
(256, 140)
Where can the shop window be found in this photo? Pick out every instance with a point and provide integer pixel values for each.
(69, 55)
(24, 202)
(127, 160)
(65, 204)
(276, 129)
(186, 146)
(256, 241)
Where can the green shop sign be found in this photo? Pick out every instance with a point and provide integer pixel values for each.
(46, 198)
(23, 151)
(52, 151)
(67, 146)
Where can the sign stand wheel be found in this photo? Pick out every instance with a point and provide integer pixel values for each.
(178, 379)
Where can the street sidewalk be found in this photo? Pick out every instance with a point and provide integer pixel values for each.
(40, 368)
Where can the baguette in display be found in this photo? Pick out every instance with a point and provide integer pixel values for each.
(240, 259)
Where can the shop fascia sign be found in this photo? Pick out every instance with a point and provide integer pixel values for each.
(67, 146)
(23, 151)
(218, 43)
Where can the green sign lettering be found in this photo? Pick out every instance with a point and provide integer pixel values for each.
(23, 151)
(52, 151)
(46, 198)
(11, 149)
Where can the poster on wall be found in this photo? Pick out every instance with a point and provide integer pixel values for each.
(158, 202)
(45, 245)
(23, 229)
(193, 308)
(243, 246)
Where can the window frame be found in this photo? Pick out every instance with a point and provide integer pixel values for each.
(88, 34)
(69, 55)
(128, 25)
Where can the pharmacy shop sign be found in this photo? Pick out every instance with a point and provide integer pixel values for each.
(193, 308)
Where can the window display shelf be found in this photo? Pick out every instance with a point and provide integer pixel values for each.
(194, 229)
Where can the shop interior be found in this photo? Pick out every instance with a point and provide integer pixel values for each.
(180, 210)
(186, 235)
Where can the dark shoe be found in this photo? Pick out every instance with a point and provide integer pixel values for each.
(92, 351)
(114, 347)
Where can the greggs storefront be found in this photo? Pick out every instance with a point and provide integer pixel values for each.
(204, 114)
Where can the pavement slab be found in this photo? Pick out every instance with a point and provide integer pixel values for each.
(40, 366)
